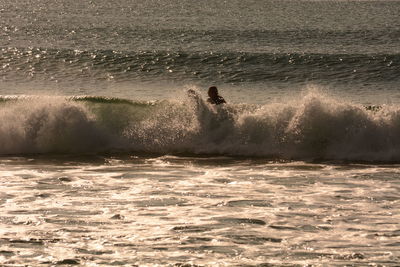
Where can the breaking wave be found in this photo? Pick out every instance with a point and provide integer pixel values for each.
(314, 127)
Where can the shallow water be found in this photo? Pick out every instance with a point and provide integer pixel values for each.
(216, 211)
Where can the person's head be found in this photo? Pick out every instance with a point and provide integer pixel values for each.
(213, 92)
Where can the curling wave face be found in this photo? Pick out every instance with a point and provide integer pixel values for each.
(313, 127)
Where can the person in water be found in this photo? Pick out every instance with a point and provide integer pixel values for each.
(214, 97)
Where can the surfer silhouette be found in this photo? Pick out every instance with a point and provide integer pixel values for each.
(214, 97)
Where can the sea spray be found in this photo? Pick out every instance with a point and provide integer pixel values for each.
(315, 126)
(170, 127)
(48, 125)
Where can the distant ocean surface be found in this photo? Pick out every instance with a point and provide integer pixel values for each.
(106, 159)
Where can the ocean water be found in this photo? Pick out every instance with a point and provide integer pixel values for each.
(110, 154)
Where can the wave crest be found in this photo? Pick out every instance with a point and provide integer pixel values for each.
(47, 125)
(313, 127)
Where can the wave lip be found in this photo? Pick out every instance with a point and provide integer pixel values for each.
(313, 127)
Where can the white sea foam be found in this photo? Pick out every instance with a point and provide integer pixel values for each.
(313, 127)
(47, 124)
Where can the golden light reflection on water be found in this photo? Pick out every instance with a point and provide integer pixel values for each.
(171, 210)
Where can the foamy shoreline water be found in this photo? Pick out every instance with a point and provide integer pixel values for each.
(201, 211)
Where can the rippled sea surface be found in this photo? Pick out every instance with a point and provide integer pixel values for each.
(207, 211)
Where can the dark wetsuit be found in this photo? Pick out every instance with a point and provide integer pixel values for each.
(216, 101)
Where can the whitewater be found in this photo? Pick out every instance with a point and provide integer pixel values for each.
(315, 127)
(111, 155)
